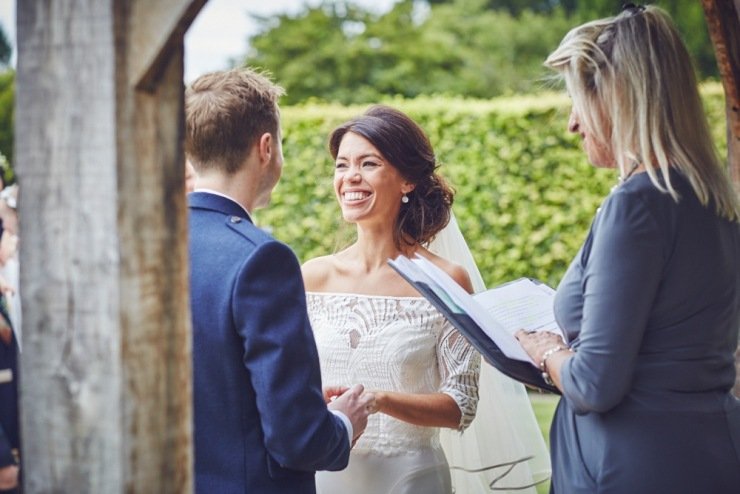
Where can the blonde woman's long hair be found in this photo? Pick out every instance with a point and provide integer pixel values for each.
(633, 87)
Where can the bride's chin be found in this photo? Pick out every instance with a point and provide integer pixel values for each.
(349, 217)
(353, 214)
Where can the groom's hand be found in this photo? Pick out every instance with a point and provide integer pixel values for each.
(356, 405)
(331, 393)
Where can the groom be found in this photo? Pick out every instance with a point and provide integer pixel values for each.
(261, 422)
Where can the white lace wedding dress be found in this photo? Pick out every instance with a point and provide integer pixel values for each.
(394, 344)
(404, 344)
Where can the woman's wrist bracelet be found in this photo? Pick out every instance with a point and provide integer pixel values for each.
(543, 363)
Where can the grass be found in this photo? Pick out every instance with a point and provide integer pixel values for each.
(543, 405)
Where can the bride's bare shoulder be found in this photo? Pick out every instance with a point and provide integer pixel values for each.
(316, 272)
(454, 270)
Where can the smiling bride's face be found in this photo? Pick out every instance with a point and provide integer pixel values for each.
(367, 186)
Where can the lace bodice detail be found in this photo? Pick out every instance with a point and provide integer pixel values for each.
(398, 344)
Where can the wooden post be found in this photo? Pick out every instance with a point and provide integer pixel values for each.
(105, 368)
(723, 20)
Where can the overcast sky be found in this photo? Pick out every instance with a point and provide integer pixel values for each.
(220, 31)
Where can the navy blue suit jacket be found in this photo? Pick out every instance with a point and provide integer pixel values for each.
(9, 427)
(261, 424)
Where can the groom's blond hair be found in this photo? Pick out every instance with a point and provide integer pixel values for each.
(225, 114)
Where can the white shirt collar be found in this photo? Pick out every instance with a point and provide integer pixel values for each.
(216, 193)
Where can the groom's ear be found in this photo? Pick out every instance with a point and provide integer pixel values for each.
(266, 147)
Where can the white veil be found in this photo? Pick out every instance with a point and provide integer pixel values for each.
(503, 449)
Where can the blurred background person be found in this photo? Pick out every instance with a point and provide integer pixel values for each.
(9, 342)
(9, 421)
(9, 258)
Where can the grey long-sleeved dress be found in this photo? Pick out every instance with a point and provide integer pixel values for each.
(651, 304)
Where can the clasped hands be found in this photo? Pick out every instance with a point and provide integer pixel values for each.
(356, 403)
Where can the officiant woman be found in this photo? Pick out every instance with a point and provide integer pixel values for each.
(651, 302)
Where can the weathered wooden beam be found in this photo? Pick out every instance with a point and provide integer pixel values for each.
(106, 391)
(723, 20)
(158, 30)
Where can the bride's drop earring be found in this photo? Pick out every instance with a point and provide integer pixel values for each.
(405, 199)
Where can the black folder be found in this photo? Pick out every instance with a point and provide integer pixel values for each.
(518, 370)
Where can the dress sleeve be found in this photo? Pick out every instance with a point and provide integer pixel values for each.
(459, 368)
(621, 275)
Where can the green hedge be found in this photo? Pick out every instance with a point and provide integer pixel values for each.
(525, 191)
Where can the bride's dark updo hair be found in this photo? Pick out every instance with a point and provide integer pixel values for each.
(403, 144)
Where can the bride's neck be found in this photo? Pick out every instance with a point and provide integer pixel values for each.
(374, 248)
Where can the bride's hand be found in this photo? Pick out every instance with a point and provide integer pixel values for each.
(331, 392)
(372, 405)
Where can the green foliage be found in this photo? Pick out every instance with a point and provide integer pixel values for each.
(543, 405)
(525, 191)
(7, 102)
(499, 54)
(516, 7)
(6, 48)
(337, 51)
(310, 54)
(688, 16)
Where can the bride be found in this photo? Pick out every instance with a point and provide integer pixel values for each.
(373, 328)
